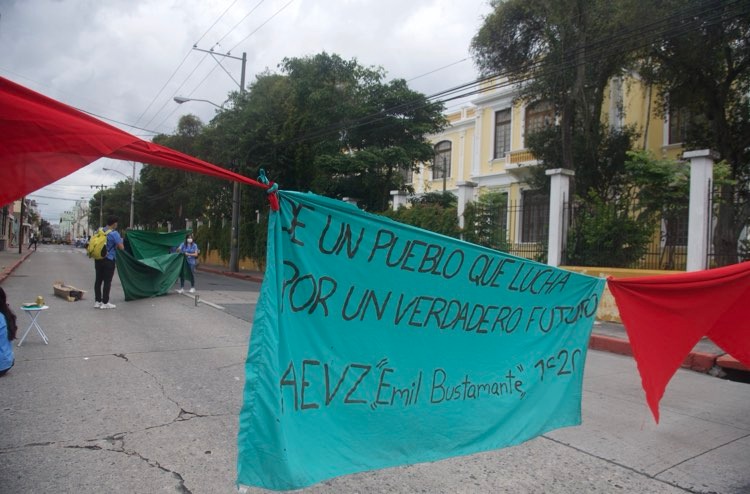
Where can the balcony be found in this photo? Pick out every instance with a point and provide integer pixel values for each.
(519, 161)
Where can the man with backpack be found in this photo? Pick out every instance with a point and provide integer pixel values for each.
(103, 249)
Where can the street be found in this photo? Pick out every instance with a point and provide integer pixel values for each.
(145, 398)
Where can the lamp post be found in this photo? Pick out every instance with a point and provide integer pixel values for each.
(182, 99)
(132, 189)
(234, 247)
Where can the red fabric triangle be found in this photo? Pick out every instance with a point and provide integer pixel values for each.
(43, 140)
(665, 316)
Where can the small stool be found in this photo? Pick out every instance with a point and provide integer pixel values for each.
(33, 313)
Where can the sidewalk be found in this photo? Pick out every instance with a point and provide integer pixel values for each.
(244, 274)
(10, 259)
(705, 357)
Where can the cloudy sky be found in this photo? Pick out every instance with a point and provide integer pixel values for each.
(125, 60)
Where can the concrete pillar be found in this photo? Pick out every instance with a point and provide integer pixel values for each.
(399, 199)
(465, 194)
(699, 219)
(558, 194)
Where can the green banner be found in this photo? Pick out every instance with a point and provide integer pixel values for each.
(148, 267)
(377, 344)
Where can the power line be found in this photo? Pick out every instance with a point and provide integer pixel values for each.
(190, 93)
(215, 22)
(178, 68)
(604, 47)
(263, 24)
(218, 43)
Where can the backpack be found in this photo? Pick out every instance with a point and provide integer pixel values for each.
(97, 248)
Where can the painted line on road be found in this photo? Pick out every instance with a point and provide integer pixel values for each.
(215, 306)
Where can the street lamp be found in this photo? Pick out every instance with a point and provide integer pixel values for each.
(132, 189)
(181, 99)
(234, 244)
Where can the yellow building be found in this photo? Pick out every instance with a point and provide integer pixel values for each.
(483, 149)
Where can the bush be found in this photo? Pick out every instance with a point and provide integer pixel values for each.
(607, 234)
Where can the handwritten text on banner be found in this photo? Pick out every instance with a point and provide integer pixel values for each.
(377, 344)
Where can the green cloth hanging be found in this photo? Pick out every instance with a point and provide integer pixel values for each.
(149, 267)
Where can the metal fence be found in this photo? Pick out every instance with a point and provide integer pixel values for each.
(520, 228)
(625, 235)
(612, 234)
(728, 243)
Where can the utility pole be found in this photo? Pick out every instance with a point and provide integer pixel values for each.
(132, 197)
(234, 246)
(20, 224)
(101, 201)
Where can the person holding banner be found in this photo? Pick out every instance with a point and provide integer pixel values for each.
(191, 251)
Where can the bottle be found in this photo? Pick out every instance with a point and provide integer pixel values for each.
(39, 300)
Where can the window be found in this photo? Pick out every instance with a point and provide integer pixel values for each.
(534, 216)
(441, 166)
(679, 119)
(408, 175)
(539, 116)
(502, 133)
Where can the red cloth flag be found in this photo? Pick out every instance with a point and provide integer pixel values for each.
(43, 140)
(665, 316)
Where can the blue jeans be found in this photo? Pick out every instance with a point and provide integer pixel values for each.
(182, 278)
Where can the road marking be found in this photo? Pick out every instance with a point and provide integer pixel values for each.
(201, 301)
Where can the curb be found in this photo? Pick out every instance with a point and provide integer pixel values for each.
(9, 269)
(697, 361)
(242, 276)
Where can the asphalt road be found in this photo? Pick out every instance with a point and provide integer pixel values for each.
(145, 398)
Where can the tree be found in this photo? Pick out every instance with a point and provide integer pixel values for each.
(322, 124)
(560, 52)
(45, 228)
(615, 230)
(167, 194)
(485, 221)
(334, 127)
(704, 72)
(435, 211)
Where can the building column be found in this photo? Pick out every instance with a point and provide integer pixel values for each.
(699, 219)
(558, 194)
(465, 195)
(477, 145)
(399, 199)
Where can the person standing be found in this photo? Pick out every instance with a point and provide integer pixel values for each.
(105, 267)
(7, 334)
(32, 241)
(191, 251)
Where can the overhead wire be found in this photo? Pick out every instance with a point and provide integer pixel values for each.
(604, 47)
(215, 22)
(229, 52)
(218, 43)
(169, 79)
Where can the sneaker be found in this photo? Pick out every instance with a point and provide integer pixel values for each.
(97, 305)
(107, 306)
(192, 290)
(180, 290)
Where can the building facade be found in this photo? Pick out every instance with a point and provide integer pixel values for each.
(483, 149)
